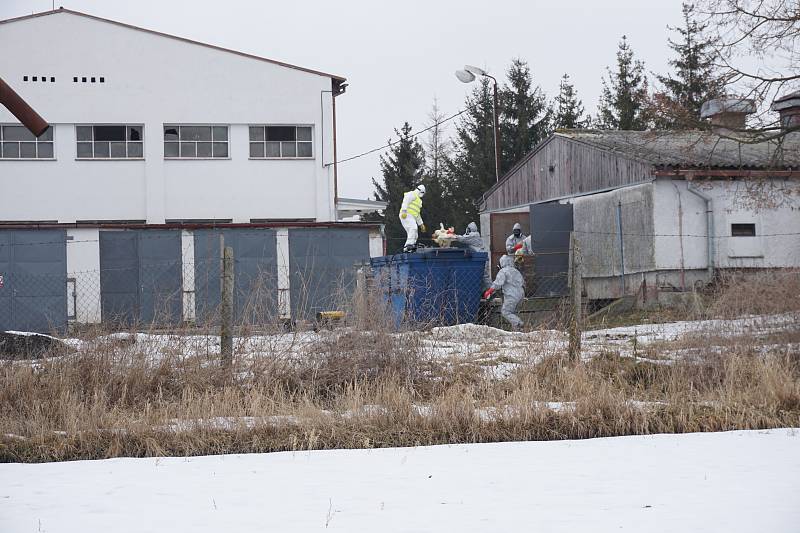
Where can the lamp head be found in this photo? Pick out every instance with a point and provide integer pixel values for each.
(465, 76)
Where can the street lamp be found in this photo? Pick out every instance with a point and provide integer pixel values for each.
(468, 76)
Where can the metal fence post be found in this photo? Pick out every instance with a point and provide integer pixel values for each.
(621, 248)
(226, 307)
(575, 286)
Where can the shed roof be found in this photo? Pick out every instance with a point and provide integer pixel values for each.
(693, 149)
(170, 36)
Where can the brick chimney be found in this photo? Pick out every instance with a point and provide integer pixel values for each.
(727, 115)
(789, 108)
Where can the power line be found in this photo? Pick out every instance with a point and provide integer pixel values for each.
(412, 136)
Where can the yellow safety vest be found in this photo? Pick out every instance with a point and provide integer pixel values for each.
(415, 206)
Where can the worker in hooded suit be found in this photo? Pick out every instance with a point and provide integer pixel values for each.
(514, 239)
(510, 280)
(472, 239)
(411, 218)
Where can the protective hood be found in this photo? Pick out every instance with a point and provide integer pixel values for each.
(472, 228)
(517, 226)
(506, 260)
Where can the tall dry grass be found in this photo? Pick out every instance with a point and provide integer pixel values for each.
(367, 386)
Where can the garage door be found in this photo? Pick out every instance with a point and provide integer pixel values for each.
(33, 291)
(140, 277)
(255, 274)
(322, 267)
(551, 225)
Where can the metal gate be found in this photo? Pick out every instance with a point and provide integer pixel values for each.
(322, 267)
(140, 277)
(255, 274)
(33, 280)
(551, 225)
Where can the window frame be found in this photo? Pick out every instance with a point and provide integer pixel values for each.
(737, 227)
(179, 142)
(296, 142)
(36, 141)
(125, 125)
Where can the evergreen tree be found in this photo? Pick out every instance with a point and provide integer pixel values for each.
(402, 167)
(695, 78)
(624, 101)
(568, 109)
(471, 171)
(524, 115)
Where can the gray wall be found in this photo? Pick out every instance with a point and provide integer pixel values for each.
(141, 277)
(596, 225)
(255, 274)
(33, 264)
(322, 270)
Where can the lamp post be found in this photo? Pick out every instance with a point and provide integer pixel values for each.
(468, 76)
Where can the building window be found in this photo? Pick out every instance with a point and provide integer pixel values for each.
(743, 230)
(195, 142)
(16, 142)
(283, 142)
(110, 141)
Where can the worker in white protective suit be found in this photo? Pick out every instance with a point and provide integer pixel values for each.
(472, 239)
(410, 217)
(514, 239)
(510, 280)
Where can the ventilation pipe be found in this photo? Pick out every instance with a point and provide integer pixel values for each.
(789, 108)
(727, 115)
(20, 109)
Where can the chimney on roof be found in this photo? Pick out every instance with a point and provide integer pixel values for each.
(727, 115)
(789, 108)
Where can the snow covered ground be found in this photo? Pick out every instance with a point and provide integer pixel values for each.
(739, 481)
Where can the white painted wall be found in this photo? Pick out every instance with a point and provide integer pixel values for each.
(773, 205)
(154, 80)
(83, 264)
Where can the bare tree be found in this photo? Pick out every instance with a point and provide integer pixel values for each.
(757, 45)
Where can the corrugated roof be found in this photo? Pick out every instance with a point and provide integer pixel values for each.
(170, 36)
(693, 149)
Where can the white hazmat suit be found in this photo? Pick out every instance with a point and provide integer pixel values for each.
(510, 280)
(472, 239)
(410, 216)
(513, 240)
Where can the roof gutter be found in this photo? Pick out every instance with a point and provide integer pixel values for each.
(709, 225)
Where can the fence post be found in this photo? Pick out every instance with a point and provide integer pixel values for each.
(575, 286)
(226, 307)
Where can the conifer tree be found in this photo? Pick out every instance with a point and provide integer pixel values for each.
(694, 80)
(624, 100)
(402, 168)
(524, 115)
(568, 110)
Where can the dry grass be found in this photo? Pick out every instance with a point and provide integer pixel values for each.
(367, 387)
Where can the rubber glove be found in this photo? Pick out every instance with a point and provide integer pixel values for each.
(422, 228)
(488, 293)
(403, 215)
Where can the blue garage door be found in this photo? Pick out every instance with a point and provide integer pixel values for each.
(140, 277)
(322, 267)
(255, 274)
(33, 293)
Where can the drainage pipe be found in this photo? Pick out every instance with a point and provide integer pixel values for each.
(709, 225)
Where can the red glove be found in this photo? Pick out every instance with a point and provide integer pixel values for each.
(488, 293)
(518, 246)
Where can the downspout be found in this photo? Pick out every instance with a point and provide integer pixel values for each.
(709, 225)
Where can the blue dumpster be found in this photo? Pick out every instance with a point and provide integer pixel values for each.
(439, 286)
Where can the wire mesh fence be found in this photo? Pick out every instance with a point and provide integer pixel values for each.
(272, 294)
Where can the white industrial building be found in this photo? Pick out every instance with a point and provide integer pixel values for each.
(152, 132)
(657, 211)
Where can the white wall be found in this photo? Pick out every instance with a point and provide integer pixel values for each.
(153, 80)
(83, 264)
(773, 205)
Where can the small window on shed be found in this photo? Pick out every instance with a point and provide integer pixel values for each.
(743, 230)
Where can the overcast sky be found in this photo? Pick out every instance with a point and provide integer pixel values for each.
(398, 56)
